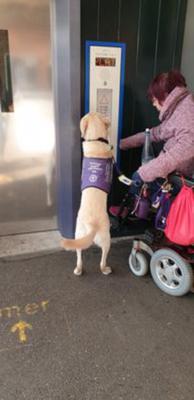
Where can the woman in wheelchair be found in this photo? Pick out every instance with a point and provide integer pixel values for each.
(169, 94)
(159, 180)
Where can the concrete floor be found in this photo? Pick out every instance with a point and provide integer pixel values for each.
(93, 337)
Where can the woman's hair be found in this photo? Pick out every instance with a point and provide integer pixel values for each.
(164, 83)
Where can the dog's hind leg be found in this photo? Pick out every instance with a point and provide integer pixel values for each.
(105, 249)
(79, 232)
(78, 270)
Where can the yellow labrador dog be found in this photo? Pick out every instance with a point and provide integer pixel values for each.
(92, 223)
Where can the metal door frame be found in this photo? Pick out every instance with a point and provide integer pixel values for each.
(65, 37)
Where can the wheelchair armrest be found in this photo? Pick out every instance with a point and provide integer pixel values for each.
(177, 180)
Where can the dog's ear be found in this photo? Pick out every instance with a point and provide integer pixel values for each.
(84, 125)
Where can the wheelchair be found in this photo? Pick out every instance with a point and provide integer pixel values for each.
(171, 265)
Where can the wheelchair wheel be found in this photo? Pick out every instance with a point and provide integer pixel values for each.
(171, 272)
(138, 263)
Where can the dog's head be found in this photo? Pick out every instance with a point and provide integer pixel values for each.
(93, 126)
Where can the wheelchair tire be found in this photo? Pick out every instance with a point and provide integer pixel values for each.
(138, 264)
(171, 273)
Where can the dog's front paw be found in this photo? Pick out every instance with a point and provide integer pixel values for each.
(106, 270)
(78, 271)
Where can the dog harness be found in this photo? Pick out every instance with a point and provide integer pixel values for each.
(97, 172)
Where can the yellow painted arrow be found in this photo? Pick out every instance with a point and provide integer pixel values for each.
(21, 327)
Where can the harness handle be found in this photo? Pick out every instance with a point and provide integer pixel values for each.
(121, 177)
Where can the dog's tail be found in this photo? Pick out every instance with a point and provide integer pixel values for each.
(79, 244)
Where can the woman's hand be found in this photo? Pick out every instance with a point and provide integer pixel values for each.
(125, 143)
(130, 142)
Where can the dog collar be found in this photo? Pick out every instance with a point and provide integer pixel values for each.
(100, 139)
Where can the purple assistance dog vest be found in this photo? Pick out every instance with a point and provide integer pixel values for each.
(97, 172)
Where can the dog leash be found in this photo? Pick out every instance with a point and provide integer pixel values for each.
(121, 177)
